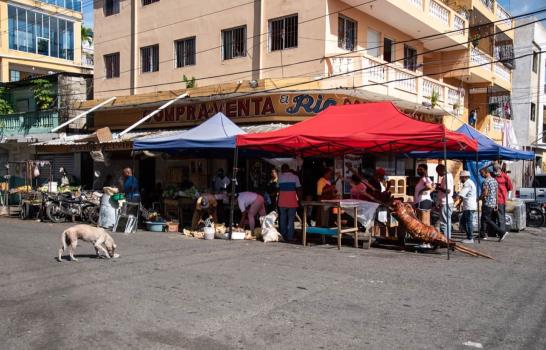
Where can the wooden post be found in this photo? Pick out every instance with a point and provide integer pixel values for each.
(356, 227)
(304, 225)
(338, 227)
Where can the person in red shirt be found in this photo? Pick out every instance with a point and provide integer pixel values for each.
(505, 186)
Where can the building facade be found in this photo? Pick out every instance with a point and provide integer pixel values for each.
(284, 61)
(421, 54)
(528, 96)
(40, 38)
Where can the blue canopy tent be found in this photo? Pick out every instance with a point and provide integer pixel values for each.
(215, 133)
(487, 149)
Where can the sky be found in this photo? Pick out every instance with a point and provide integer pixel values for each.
(515, 7)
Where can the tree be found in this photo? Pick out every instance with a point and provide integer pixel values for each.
(5, 105)
(43, 93)
(87, 35)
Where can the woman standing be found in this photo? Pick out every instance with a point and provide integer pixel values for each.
(423, 200)
(272, 191)
(359, 189)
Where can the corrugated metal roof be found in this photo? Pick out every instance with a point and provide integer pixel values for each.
(76, 139)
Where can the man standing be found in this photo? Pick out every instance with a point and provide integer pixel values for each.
(220, 182)
(489, 204)
(468, 197)
(250, 204)
(504, 186)
(289, 195)
(444, 187)
(130, 186)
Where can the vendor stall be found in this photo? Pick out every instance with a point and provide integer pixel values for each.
(361, 128)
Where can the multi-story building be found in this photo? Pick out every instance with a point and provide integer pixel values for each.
(435, 61)
(40, 37)
(528, 96)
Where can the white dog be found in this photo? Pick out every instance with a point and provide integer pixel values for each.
(87, 233)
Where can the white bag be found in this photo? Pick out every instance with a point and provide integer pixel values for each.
(269, 232)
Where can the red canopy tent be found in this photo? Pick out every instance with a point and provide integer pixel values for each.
(370, 127)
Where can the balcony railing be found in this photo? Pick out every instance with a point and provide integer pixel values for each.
(478, 58)
(418, 3)
(502, 71)
(501, 13)
(488, 4)
(439, 12)
(28, 123)
(458, 23)
(396, 82)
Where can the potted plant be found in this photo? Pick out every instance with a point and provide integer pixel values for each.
(434, 98)
(475, 40)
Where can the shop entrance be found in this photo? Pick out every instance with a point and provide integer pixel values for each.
(146, 178)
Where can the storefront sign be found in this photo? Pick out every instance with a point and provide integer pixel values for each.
(252, 106)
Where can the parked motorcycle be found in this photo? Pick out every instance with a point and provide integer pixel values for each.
(536, 214)
(65, 206)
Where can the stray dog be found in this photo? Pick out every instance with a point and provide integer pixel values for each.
(87, 233)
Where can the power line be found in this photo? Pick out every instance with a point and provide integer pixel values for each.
(322, 78)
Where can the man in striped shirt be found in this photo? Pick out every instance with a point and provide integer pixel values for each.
(289, 196)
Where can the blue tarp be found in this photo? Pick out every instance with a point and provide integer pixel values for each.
(217, 132)
(487, 149)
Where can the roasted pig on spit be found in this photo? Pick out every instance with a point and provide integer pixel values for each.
(427, 234)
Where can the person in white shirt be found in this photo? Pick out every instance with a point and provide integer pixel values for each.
(220, 182)
(467, 196)
(444, 189)
(250, 204)
(423, 188)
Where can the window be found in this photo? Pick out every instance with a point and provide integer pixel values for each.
(388, 50)
(535, 62)
(533, 111)
(148, 2)
(346, 33)
(410, 58)
(75, 5)
(39, 33)
(185, 52)
(149, 58)
(283, 33)
(234, 43)
(14, 75)
(374, 42)
(111, 65)
(111, 7)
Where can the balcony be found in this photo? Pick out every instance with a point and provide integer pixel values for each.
(477, 67)
(23, 124)
(419, 18)
(393, 82)
(493, 11)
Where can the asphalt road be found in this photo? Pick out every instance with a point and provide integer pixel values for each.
(169, 292)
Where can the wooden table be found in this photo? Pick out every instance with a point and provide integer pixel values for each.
(338, 230)
(182, 207)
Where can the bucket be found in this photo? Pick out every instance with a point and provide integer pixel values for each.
(155, 226)
(52, 187)
(209, 233)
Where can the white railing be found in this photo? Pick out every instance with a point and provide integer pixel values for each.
(430, 85)
(405, 81)
(501, 13)
(479, 58)
(377, 74)
(458, 23)
(502, 71)
(418, 3)
(342, 65)
(439, 12)
(488, 4)
(454, 97)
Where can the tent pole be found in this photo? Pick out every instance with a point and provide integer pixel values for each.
(448, 214)
(233, 185)
(478, 197)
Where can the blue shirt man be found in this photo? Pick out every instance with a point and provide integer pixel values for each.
(130, 186)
